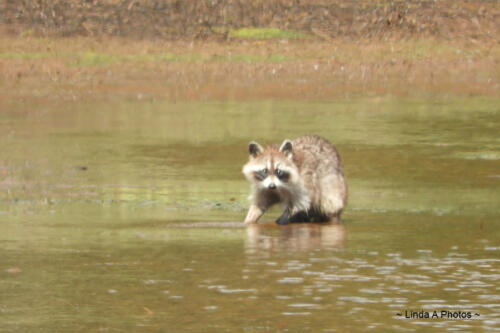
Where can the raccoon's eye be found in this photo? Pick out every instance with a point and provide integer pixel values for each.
(261, 174)
(282, 175)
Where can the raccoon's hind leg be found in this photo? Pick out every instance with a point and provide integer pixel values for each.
(334, 198)
(288, 217)
(331, 215)
(322, 218)
(331, 218)
(300, 217)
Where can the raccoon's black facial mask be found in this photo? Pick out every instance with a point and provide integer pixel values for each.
(261, 174)
(282, 175)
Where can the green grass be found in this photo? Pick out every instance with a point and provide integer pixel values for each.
(102, 59)
(91, 58)
(252, 58)
(23, 56)
(95, 59)
(266, 33)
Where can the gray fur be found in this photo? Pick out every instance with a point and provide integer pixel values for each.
(315, 189)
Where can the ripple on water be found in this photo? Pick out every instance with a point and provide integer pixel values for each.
(296, 313)
(210, 307)
(224, 290)
(305, 305)
(282, 297)
(312, 273)
(371, 291)
(348, 277)
(356, 299)
(474, 283)
(291, 280)
(297, 265)
(236, 291)
(176, 297)
(398, 300)
(421, 283)
(489, 297)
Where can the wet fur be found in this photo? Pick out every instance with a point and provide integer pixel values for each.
(314, 189)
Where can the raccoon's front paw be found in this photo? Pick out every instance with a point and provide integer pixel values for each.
(284, 218)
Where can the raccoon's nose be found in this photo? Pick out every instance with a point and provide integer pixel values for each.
(272, 186)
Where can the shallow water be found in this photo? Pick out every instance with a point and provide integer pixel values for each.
(126, 216)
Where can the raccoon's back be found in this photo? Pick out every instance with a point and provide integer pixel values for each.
(313, 153)
(320, 169)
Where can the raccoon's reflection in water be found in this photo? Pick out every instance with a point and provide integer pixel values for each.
(294, 237)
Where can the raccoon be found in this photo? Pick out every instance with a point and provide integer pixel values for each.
(304, 175)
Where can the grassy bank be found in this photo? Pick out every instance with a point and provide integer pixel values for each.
(248, 49)
(68, 68)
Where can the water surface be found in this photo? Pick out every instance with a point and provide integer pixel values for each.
(126, 216)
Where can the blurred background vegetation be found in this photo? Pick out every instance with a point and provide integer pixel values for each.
(221, 19)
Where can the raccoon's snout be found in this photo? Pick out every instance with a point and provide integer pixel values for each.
(272, 186)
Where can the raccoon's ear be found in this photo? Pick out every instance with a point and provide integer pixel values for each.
(254, 149)
(286, 148)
